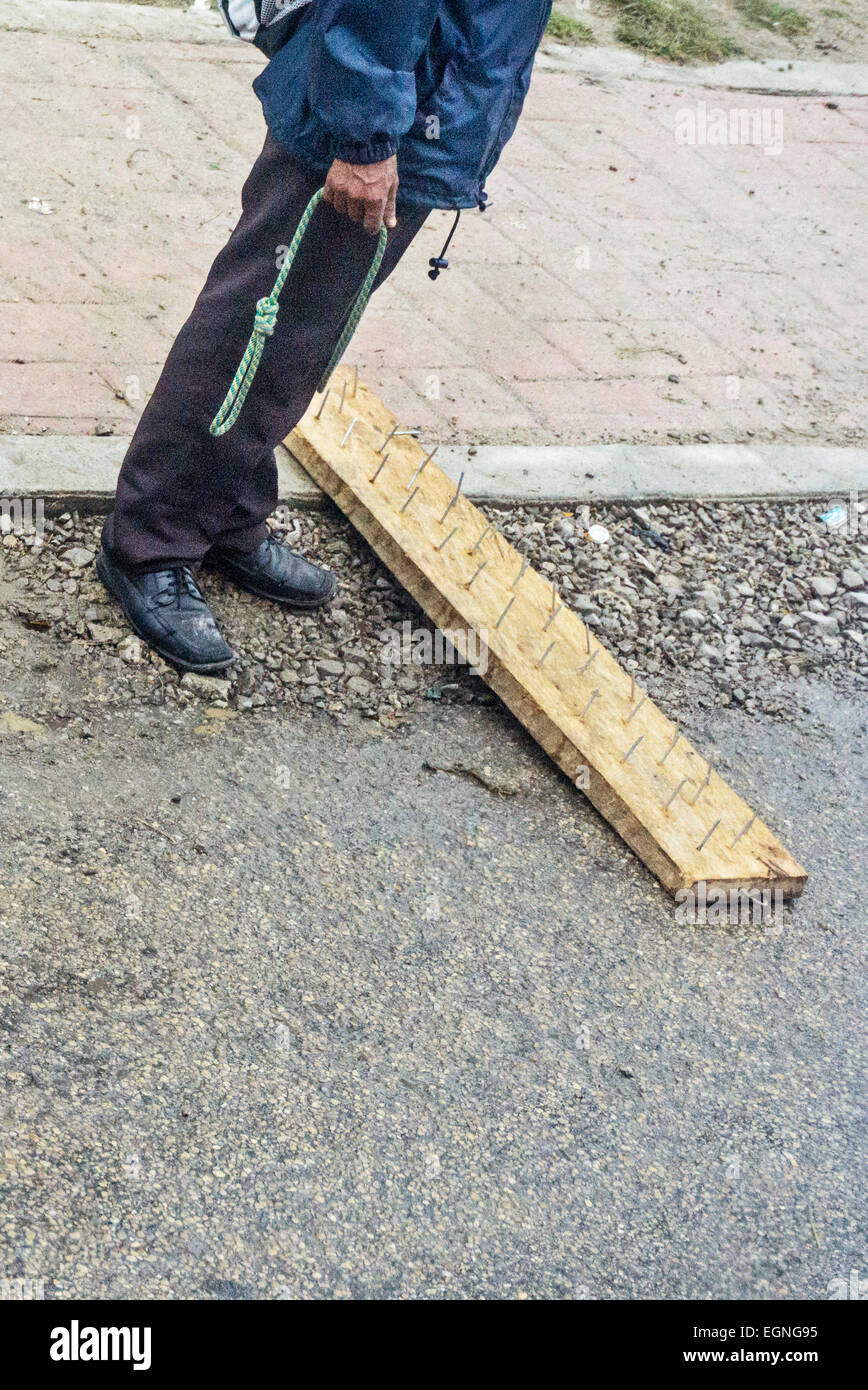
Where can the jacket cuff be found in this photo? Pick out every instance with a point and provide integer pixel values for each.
(372, 151)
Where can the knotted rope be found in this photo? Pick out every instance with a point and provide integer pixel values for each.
(265, 321)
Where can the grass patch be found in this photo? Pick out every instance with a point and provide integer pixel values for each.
(673, 29)
(766, 14)
(567, 30)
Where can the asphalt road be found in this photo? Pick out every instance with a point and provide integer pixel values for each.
(286, 1014)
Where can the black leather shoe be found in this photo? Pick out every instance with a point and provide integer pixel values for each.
(276, 572)
(166, 608)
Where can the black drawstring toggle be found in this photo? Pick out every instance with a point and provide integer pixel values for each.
(438, 263)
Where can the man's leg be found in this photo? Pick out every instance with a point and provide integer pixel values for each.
(180, 491)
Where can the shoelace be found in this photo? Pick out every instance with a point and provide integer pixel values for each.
(181, 584)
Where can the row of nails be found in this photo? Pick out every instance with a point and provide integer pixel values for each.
(556, 604)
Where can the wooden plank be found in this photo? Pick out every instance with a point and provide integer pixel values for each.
(600, 728)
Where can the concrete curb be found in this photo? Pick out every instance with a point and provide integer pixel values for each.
(630, 472)
(80, 471)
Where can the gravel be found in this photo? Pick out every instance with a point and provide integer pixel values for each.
(708, 603)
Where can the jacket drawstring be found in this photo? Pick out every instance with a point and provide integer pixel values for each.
(438, 263)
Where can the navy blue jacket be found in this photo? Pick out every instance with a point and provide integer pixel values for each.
(439, 82)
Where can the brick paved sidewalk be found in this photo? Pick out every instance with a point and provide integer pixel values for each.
(625, 286)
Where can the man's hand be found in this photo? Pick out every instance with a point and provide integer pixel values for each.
(364, 192)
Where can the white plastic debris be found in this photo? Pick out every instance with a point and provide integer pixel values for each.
(40, 205)
(599, 533)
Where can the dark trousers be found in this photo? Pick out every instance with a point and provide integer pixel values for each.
(180, 491)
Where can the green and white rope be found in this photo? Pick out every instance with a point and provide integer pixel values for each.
(265, 321)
